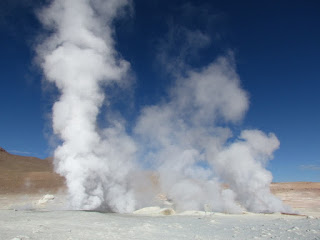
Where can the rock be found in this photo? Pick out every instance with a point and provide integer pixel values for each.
(2, 150)
(147, 210)
(46, 198)
(155, 211)
(20, 238)
(167, 211)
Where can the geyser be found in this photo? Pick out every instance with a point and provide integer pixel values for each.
(181, 138)
(191, 151)
(79, 57)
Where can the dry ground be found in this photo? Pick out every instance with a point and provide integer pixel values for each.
(22, 176)
(302, 196)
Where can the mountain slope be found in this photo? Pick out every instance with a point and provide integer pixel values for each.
(20, 174)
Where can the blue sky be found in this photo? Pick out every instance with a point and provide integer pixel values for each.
(276, 46)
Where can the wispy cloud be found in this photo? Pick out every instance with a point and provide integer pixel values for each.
(175, 60)
(181, 47)
(312, 167)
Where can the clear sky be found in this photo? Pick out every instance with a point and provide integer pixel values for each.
(276, 46)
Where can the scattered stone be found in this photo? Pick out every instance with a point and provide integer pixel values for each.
(293, 229)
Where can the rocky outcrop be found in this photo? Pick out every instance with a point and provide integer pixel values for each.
(2, 150)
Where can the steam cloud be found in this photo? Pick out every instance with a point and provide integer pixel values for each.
(181, 138)
(79, 57)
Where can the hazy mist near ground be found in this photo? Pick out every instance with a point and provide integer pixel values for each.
(24, 176)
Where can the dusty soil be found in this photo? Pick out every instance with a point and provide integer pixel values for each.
(302, 196)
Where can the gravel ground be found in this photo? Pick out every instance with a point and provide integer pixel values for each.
(39, 224)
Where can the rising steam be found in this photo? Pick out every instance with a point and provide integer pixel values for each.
(79, 57)
(181, 139)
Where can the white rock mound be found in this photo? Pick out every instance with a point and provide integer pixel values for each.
(45, 199)
(155, 211)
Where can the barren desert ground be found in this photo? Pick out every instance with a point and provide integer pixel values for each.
(33, 206)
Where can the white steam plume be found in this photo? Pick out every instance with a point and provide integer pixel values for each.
(184, 138)
(79, 57)
(190, 150)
